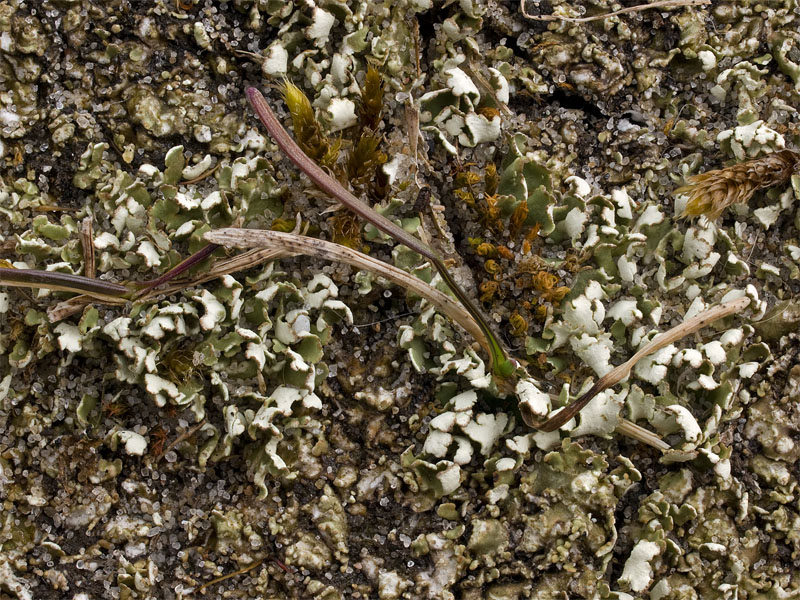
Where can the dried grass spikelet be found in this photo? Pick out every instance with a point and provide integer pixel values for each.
(712, 192)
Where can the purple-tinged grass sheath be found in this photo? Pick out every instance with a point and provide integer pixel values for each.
(53, 280)
(181, 267)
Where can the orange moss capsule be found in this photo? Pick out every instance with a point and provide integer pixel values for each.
(556, 295)
(518, 218)
(504, 252)
(491, 213)
(488, 111)
(540, 313)
(465, 179)
(490, 180)
(465, 195)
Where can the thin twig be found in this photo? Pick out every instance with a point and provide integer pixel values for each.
(622, 11)
(412, 126)
(241, 571)
(657, 343)
(182, 437)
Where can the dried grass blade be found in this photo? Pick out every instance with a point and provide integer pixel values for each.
(622, 11)
(87, 243)
(660, 341)
(76, 304)
(632, 430)
(298, 244)
(246, 260)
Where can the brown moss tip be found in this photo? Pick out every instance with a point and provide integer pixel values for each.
(364, 159)
(712, 192)
(371, 100)
(178, 364)
(307, 130)
(347, 229)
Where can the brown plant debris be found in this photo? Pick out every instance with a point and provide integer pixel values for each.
(630, 9)
(712, 192)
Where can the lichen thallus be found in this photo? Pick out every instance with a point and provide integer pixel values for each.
(271, 245)
(503, 367)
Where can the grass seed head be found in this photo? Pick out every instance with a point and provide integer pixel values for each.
(712, 192)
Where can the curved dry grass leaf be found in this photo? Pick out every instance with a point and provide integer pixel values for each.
(499, 363)
(288, 243)
(619, 373)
